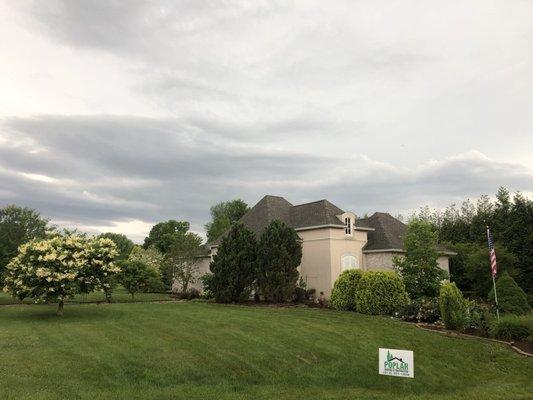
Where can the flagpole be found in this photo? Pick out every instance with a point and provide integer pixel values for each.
(496, 299)
(494, 284)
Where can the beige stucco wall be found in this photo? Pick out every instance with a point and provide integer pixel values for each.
(202, 268)
(341, 245)
(444, 263)
(322, 250)
(316, 259)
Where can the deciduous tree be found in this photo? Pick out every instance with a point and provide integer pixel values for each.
(418, 267)
(18, 225)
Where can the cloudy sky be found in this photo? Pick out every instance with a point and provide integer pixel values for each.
(118, 114)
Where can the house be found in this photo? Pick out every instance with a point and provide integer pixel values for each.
(333, 240)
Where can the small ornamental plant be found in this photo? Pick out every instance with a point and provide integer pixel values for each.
(56, 269)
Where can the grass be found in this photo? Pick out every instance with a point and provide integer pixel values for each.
(196, 350)
(120, 295)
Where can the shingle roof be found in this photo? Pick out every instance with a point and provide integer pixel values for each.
(384, 231)
(317, 213)
(388, 233)
(268, 209)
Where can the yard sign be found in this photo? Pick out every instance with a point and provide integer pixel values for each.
(396, 363)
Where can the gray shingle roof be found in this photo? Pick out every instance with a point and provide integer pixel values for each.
(384, 231)
(388, 232)
(269, 208)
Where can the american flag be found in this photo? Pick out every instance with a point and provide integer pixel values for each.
(492, 253)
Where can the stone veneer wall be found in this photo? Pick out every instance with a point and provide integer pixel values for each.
(383, 261)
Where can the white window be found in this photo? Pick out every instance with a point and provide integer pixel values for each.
(348, 223)
(348, 261)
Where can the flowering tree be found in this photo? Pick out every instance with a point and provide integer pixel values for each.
(151, 256)
(55, 269)
(99, 271)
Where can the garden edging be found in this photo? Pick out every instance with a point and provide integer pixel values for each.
(467, 336)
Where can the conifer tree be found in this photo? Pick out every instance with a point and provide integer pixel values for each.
(278, 257)
(232, 267)
(511, 298)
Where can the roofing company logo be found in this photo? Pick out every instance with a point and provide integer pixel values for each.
(396, 363)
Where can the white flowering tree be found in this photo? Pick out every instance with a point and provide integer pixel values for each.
(99, 270)
(152, 257)
(55, 269)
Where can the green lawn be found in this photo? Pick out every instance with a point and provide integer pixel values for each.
(196, 350)
(120, 295)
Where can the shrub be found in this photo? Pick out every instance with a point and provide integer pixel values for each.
(452, 306)
(191, 293)
(511, 298)
(232, 267)
(512, 327)
(343, 294)
(478, 316)
(300, 292)
(423, 309)
(279, 253)
(206, 280)
(380, 292)
(138, 277)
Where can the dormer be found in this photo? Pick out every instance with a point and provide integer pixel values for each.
(348, 218)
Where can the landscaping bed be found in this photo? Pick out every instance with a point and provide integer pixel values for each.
(524, 346)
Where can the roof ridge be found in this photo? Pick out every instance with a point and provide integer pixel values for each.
(311, 202)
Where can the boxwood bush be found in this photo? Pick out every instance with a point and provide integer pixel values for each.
(512, 327)
(343, 294)
(380, 293)
(452, 307)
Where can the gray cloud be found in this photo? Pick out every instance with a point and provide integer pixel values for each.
(121, 111)
(106, 169)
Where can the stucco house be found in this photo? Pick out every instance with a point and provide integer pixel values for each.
(333, 240)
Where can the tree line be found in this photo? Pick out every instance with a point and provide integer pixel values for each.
(464, 229)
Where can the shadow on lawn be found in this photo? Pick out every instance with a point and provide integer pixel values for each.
(72, 313)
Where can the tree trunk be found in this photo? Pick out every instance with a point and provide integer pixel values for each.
(60, 308)
(132, 296)
(108, 294)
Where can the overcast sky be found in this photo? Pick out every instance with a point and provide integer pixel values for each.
(115, 115)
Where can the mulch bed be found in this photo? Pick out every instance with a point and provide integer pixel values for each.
(521, 346)
(524, 345)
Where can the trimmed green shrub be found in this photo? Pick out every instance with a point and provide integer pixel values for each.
(423, 309)
(512, 327)
(511, 298)
(452, 307)
(380, 293)
(343, 294)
